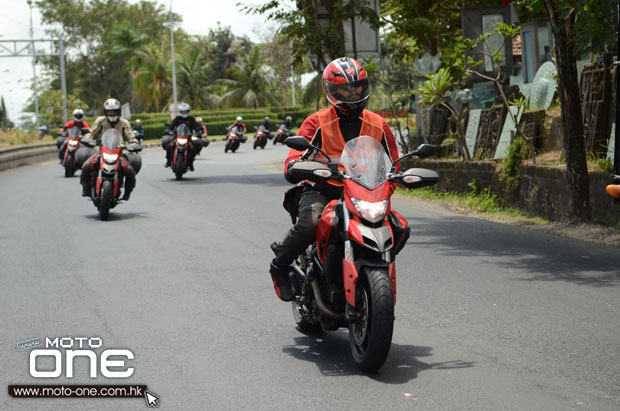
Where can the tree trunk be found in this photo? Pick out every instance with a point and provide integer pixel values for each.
(574, 147)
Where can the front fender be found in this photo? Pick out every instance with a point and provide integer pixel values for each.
(379, 239)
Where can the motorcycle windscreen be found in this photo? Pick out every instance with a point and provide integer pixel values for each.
(183, 130)
(366, 162)
(75, 132)
(111, 139)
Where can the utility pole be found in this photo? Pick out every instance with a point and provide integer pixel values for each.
(292, 75)
(34, 68)
(174, 74)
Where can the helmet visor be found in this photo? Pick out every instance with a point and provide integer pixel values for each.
(352, 92)
(113, 113)
(78, 116)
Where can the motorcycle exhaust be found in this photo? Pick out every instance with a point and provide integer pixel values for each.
(319, 302)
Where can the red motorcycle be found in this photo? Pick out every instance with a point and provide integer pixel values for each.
(348, 277)
(233, 139)
(281, 135)
(75, 153)
(182, 147)
(260, 138)
(108, 171)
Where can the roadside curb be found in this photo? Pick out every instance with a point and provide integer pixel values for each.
(29, 154)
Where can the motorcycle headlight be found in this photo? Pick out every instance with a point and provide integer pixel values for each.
(73, 142)
(181, 141)
(110, 158)
(372, 212)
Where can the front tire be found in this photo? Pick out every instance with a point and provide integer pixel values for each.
(69, 169)
(178, 167)
(107, 194)
(370, 336)
(255, 143)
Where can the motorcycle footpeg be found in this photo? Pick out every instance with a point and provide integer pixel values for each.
(350, 315)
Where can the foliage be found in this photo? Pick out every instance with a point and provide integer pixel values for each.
(302, 26)
(16, 137)
(249, 83)
(510, 173)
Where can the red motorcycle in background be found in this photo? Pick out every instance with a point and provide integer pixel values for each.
(347, 278)
(281, 135)
(233, 139)
(182, 147)
(75, 153)
(260, 138)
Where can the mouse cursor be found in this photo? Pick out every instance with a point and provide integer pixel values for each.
(152, 400)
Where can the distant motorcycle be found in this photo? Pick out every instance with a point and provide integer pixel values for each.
(75, 153)
(233, 139)
(281, 135)
(183, 146)
(260, 138)
(107, 174)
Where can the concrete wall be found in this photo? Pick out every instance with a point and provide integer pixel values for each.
(543, 190)
(26, 155)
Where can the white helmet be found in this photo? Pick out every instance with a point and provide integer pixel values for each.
(112, 110)
(239, 119)
(184, 110)
(78, 114)
(138, 122)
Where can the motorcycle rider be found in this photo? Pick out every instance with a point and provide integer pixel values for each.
(205, 134)
(288, 125)
(267, 125)
(111, 119)
(346, 86)
(61, 141)
(139, 130)
(183, 118)
(239, 127)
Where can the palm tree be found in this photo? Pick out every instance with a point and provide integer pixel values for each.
(248, 84)
(153, 78)
(192, 77)
(129, 46)
(313, 92)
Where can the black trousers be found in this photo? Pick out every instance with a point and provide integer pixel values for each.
(303, 233)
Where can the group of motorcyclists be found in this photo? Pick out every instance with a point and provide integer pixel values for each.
(346, 86)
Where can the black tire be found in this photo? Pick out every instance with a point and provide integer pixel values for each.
(370, 336)
(178, 167)
(262, 146)
(275, 140)
(255, 143)
(69, 169)
(107, 194)
(304, 323)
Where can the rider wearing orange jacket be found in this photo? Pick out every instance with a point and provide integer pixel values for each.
(347, 88)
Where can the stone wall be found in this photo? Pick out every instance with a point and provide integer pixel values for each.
(542, 192)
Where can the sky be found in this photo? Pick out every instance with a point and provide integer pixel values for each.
(198, 17)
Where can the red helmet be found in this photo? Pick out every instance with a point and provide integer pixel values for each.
(346, 86)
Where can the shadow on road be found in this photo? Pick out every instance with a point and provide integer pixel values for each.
(331, 353)
(273, 180)
(542, 256)
(120, 216)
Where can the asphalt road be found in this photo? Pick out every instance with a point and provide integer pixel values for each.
(488, 317)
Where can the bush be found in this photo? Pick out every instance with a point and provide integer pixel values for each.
(16, 137)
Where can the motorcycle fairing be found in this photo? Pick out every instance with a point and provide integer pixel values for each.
(354, 190)
(350, 275)
(324, 229)
(392, 272)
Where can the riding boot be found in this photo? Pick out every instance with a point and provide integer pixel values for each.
(281, 282)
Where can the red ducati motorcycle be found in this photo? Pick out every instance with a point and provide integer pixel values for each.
(260, 138)
(347, 278)
(233, 139)
(108, 171)
(75, 152)
(280, 135)
(182, 147)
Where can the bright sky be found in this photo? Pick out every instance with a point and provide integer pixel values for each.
(198, 17)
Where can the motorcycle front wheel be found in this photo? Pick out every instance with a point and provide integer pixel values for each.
(178, 167)
(107, 193)
(370, 336)
(255, 143)
(69, 169)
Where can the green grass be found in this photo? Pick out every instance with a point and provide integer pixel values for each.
(483, 202)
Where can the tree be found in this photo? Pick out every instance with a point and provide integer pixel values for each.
(308, 33)
(248, 84)
(153, 79)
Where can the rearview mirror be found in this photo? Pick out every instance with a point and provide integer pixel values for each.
(298, 143)
(426, 150)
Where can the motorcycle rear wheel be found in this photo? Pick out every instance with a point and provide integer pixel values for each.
(178, 167)
(107, 193)
(370, 336)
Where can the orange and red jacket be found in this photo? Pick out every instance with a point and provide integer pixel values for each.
(69, 124)
(322, 129)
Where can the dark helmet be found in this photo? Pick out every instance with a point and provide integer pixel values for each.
(346, 86)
